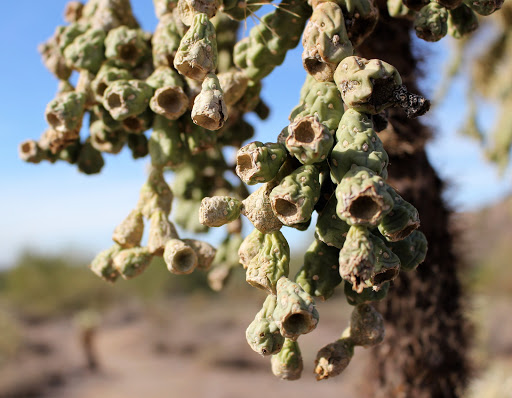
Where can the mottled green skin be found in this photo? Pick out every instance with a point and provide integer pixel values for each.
(387, 264)
(86, 51)
(269, 41)
(204, 251)
(250, 247)
(155, 194)
(321, 99)
(397, 9)
(132, 262)
(180, 258)
(333, 359)
(462, 21)
(166, 146)
(294, 198)
(357, 144)
(271, 262)
(105, 76)
(240, 10)
(108, 14)
(219, 210)
(106, 140)
(431, 22)
(257, 207)
(102, 265)
(125, 98)
(65, 113)
(295, 313)
(257, 162)
(484, 7)
(140, 123)
(125, 47)
(199, 139)
(187, 9)
(138, 144)
(287, 364)
(411, 251)
(98, 112)
(366, 296)
(197, 53)
(210, 110)
(367, 85)
(165, 41)
(363, 198)
(169, 99)
(366, 326)
(67, 34)
(129, 233)
(330, 229)
(52, 56)
(319, 275)
(263, 334)
(325, 41)
(163, 7)
(164, 76)
(161, 230)
(401, 221)
(90, 160)
(184, 208)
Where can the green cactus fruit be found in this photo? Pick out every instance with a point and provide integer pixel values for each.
(163, 7)
(257, 208)
(161, 230)
(138, 124)
(361, 17)
(90, 160)
(155, 194)
(65, 113)
(363, 198)
(461, 21)
(52, 56)
(86, 51)
(166, 146)
(359, 145)
(484, 7)
(263, 334)
(219, 210)
(69, 33)
(309, 140)
(330, 229)
(98, 112)
(257, 162)
(180, 258)
(367, 85)
(431, 22)
(30, 151)
(124, 98)
(138, 144)
(103, 266)
(125, 47)
(387, 264)
(234, 84)
(287, 364)
(132, 262)
(334, 358)
(188, 9)
(129, 232)
(105, 140)
(411, 251)
(184, 208)
(325, 41)
(169, 99)
(71, 152)
(210, 110)
(165, 41)
(398, 9)
(401, 221)
(197, 53)
(240, 10)
(294, 198)
(295, 313)
(250, 247)
(366, 296)
(109, 14)
(204, 251)
(366, 326)
(270, 263)
(319, 275)
(84, 87)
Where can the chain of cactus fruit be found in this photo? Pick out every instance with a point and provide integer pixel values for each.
(191, 83)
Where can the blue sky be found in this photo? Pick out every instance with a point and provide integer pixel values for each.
(49, 207)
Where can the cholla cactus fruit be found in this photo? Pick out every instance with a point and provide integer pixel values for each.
(287, 364)
(125, 47)
(366, 326)
(166, 146)
(204, 251)
(129, 232)
(334, 358)
(30, 151)
(257, 162)
(53, 59)
(155, 194)
(188, 9)
(65, 113)
(210, 110)
(240, 10)
(401, 221)
(165, 41)
(358, 145)
(411, 251)
(309, 140)
(366, 296)
(294, 198)
(250, 247)
(234, 84)
(73, 11)
(138, 124)
(270, 263)
(319, 275)
(461, 21)
(124, 98)
(86, 51)
(163, 7)
(197, 54)
(199, 139)
(180, 258)
(138, 145)
(219, 210)
(330, 229)
(431, 22)
(387, 264)
(484, 7)
(169, 99)
(90, 160)
(363, 198)
(295, 313)
(325, 41)
(398, 9)
(103, 265)
(109, 14)
(132, 262)
(361, 17)
(106, 140)
(263, 334)
(161, 230)
(257, 208)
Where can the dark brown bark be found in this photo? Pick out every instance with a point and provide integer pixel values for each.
(425, 350)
